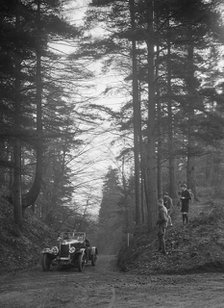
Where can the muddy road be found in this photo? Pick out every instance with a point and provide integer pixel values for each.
(103, 286)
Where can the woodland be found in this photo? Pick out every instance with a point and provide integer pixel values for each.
(169, 126)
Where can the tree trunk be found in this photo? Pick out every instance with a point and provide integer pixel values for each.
(191, 142)
(172, 186)
(151, 158)
(17, 200)
(16, 195)
(136, 123)
(30, 198)
(159, 142)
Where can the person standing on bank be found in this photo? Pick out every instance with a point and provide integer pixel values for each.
(185, 198)
(162, 223)
(168, 202)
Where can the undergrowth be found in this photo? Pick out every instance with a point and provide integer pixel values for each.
(196, 247)
(21, 251)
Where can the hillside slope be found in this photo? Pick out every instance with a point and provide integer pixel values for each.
(19, 252)
(196, 247)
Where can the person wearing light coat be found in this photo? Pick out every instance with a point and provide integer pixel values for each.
(163, 218)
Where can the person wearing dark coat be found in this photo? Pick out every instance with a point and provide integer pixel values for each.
(185, 198)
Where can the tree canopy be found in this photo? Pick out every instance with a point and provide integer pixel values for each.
(168, 56)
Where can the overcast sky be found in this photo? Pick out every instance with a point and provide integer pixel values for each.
(101, 154)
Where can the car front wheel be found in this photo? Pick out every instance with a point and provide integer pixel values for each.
(46, 262)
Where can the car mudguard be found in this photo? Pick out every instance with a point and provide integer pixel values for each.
(94, 251)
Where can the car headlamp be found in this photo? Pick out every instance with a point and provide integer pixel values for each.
(72, 249)
(55, 250)
(46, 250)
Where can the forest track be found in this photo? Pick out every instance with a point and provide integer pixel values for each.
(104, 286)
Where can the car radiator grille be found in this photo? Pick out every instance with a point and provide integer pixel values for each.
(64, 251)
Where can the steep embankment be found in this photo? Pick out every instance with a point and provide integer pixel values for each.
(196, 247)
(18, 252)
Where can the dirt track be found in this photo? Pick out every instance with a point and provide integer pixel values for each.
(103, 286)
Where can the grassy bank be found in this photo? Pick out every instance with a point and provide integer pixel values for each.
(196, 247)
(19, 252)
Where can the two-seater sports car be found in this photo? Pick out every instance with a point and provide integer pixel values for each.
(73, 249)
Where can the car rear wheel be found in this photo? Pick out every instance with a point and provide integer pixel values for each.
(46, 262)
(93, 260)
(81, 263)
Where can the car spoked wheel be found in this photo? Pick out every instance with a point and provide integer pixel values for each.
(45, 262)
(93, 260)
(81, 262)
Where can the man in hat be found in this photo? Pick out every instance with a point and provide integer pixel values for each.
(185, 197)
(162, 223)
(168, 203)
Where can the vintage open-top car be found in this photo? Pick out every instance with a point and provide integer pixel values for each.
(73, 249)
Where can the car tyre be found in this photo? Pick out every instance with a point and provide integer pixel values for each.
(93, 260)
(81, 262)
(46, 262)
